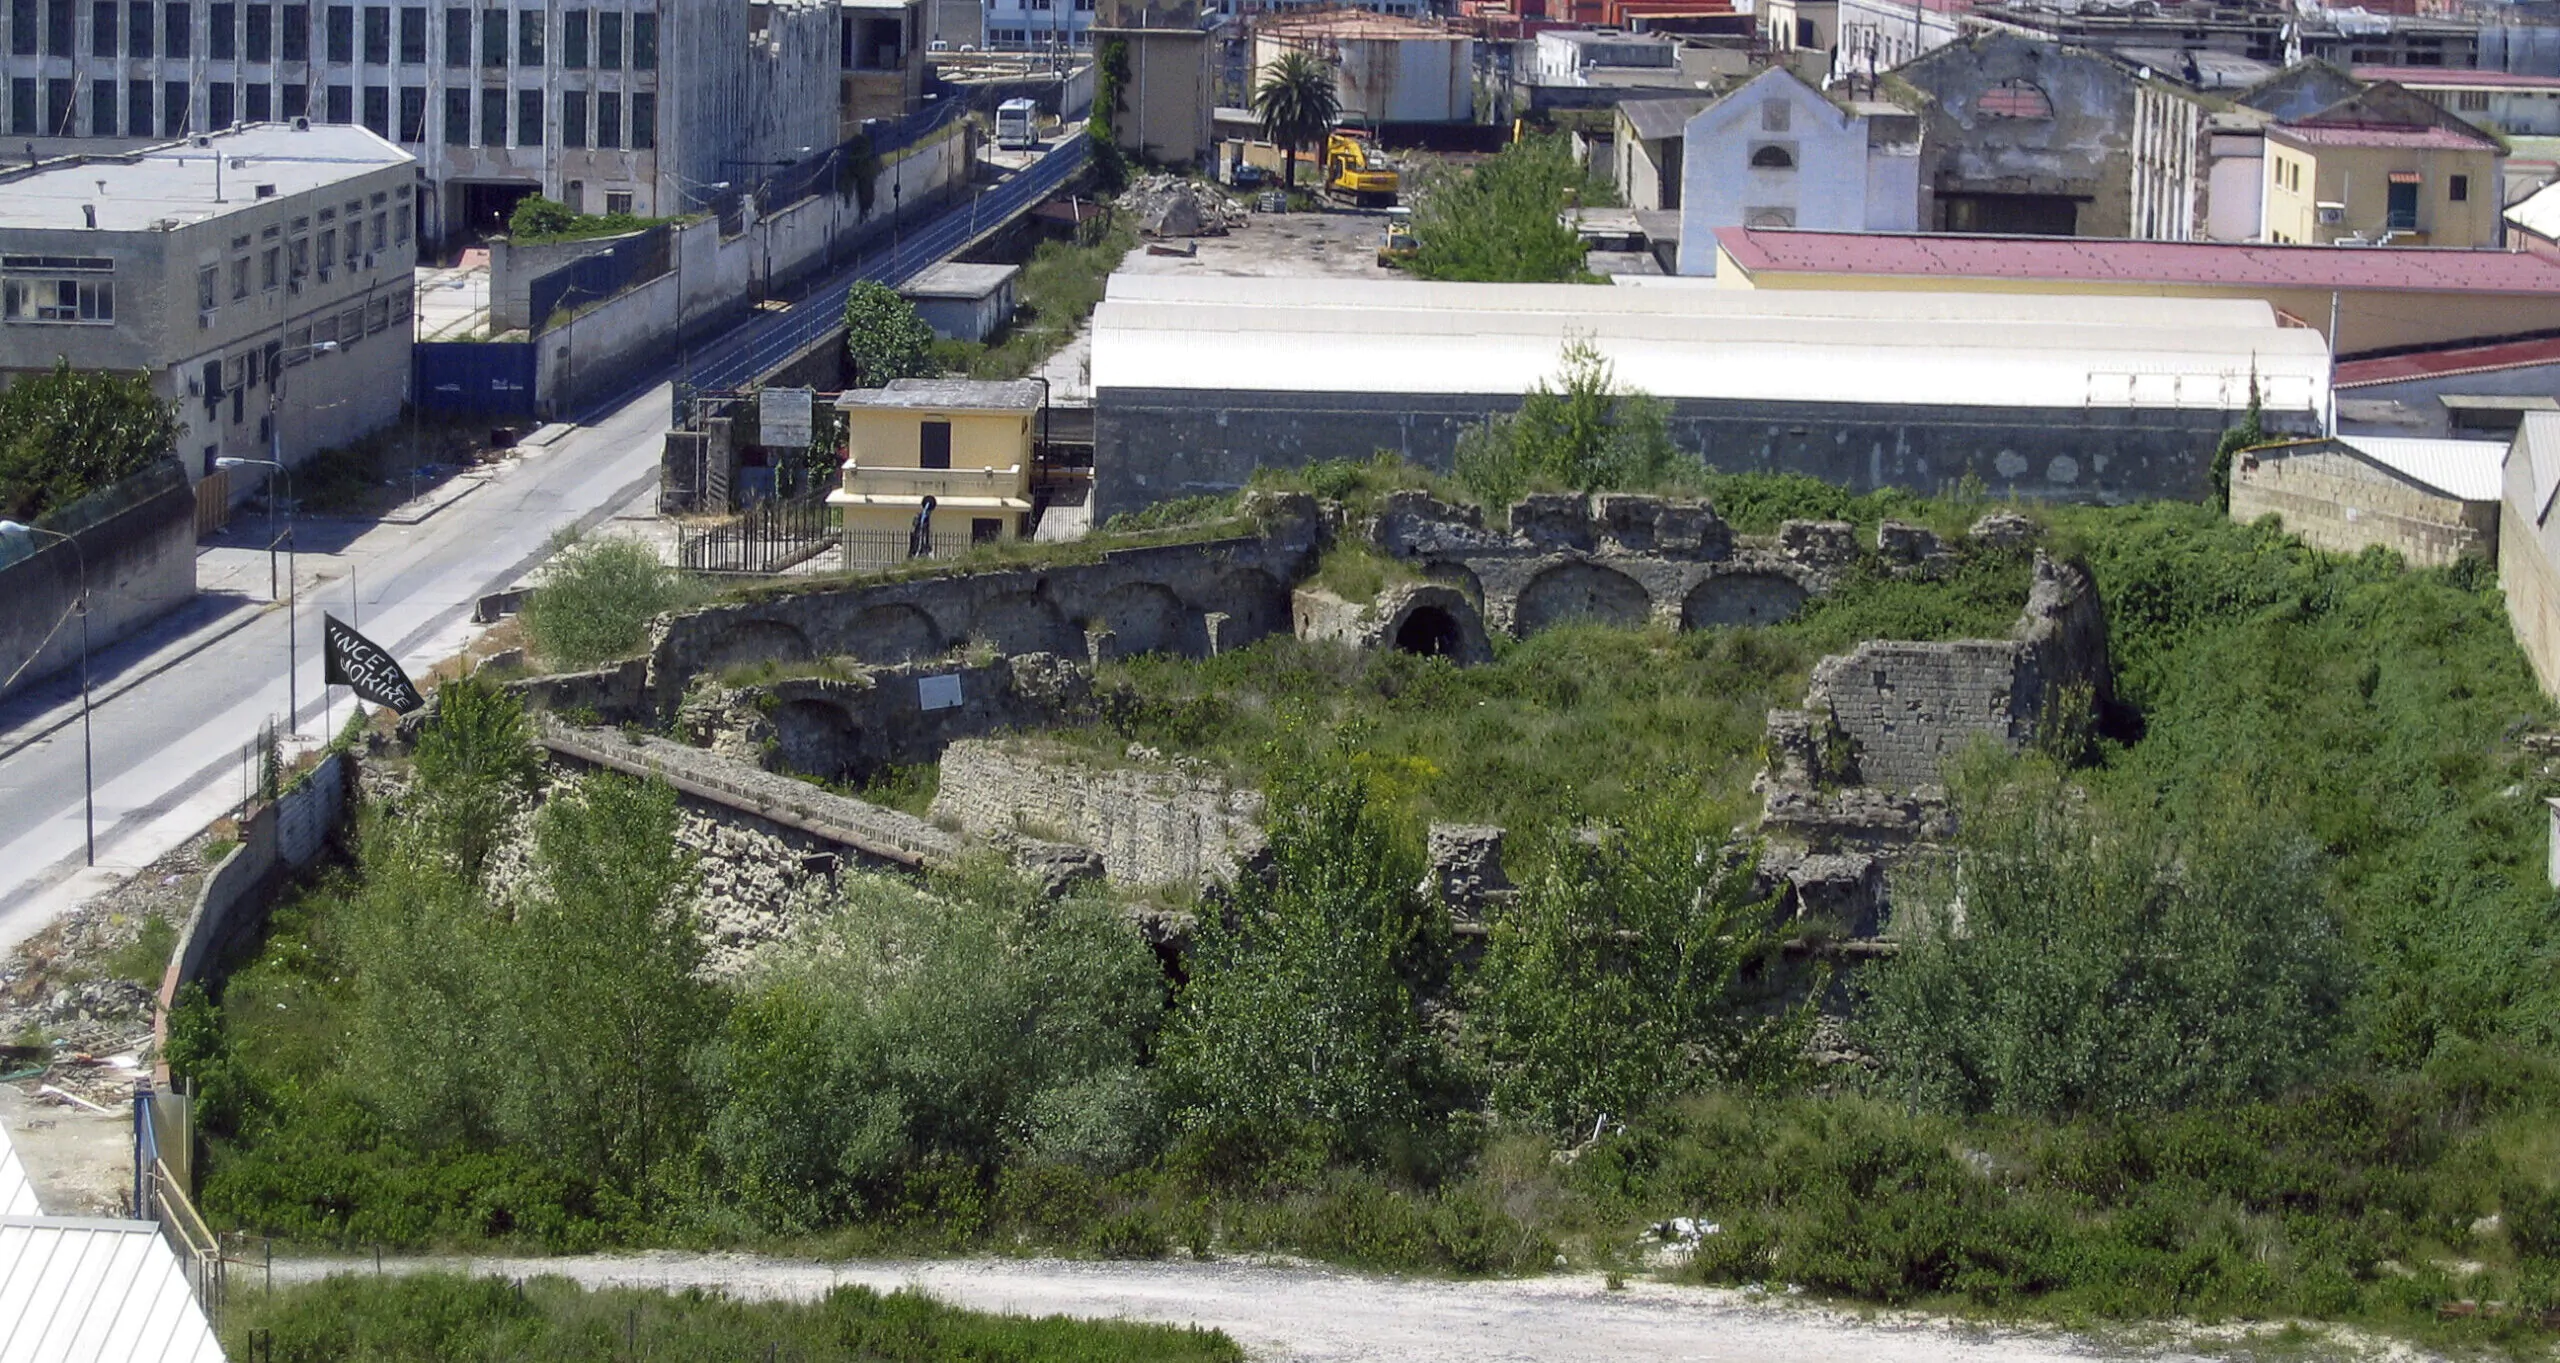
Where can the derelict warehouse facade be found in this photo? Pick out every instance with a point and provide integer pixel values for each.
(1199, 381)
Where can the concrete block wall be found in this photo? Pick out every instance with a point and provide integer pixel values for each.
(1153, 823)
(2337, 502)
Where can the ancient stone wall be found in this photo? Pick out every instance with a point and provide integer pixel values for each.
(2343, 503)
(1155, 823)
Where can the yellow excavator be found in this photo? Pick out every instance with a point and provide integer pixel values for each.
(1357, 172)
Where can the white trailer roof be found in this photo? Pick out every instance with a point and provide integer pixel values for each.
(80, 1290)
(1955, 349)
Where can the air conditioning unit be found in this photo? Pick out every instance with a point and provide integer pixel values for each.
(2332, 214)
(204, 321)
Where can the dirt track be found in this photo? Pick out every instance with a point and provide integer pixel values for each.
(1295, 1313)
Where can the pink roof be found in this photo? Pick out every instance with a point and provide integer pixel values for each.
(2446, 78)
(2410, 139)
(2428, 364)
(2100, 259)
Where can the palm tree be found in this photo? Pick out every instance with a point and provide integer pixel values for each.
(1295, 104)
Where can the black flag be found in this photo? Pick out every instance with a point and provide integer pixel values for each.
(361, 665)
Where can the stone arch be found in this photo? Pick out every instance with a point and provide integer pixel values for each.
(1146, 617)
(1254, 602)
(756, 641)
(1431, 620)
(1026, 622)
(817, 738)
(1581, 591)
(1428, 631)
(893, 632)
(1457, 575)
(1729, 599)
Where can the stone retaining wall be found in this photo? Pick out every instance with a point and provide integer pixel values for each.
(1154, 823)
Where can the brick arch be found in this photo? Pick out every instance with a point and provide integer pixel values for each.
(1146, 617)
(1579, 591)
(1729, 599)
(894, 633)
(1026, 622)
(757, 641)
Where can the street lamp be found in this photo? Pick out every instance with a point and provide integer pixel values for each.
(684, 352)
(293, 595)
(88, 765)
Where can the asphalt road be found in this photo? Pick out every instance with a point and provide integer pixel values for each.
(168, 746)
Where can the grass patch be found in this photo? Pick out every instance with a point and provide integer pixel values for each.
(436, 1317)
(1058, 289)
(145, 959)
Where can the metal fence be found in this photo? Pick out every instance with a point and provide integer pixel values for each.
(767, 538)
(872, 551)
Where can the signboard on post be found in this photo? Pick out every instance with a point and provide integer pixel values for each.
(783, 417)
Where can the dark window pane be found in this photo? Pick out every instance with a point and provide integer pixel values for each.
(57, 108)
(137, 108)
(644, 42)
(457, 117)
(573, 39)
(529, 37)
(377, 34)
(377, 109)
(259, 102)
(175, 111)
(102, 109)
(342, 34)
(342, 105)
(413, 114)
(573, 118)
(178, 35)
(22, 103)
(528, 118)
(413, 34)
(297, 100)
(222, 32)
(608, 119)
(22, 43)
(644, 122)
(219, 105)
(493, 118)
(297, 33)
(138, 29)
(609, 40)
(102, 27)
(493, 37)
(260, 40)
(457, 37)
(57, 29)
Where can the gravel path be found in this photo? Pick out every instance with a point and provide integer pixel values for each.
(1281, 1312)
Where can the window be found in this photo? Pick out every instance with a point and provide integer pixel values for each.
(239, 279)
(271, 268)
(208, 286)
(57, 107)
(573, 118)
(328, 252)
(377, 110)
(413, 114)
(644, 121)
(177, 33)
(102, 109)
(137, 108)
(493, 118)
(218, 108)
(297, 33)
(22, 107)
(59, 300)
(529, 37)
(324, 331)
(2458, 189)
(400, 229)
(342, 105)
(297, 253)
(457, 37)
(528, 118)
(57, 28)
(413, 35)
(138, 28)
(573, 39)
(351, 325)
(381, 231)
(457, 117)
(355, 242)
(2401, 212)
(377, 315)
(377, 35)
(102, 27)
(933, 445)
(297, 100)
(2014, 99)
(617, 201)
(176, 110)
(260, 39)
(260, 102)
(609, 40)
(608, 119)
(2472, 101)
(222, 34)
(493, 37)
(342, 34)
(1772, 156)
(644, 42)
(1774, 114)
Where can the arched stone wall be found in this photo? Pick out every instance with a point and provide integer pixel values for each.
(817, 738)
(894, 633)
(1729, 599)
(1580, 591)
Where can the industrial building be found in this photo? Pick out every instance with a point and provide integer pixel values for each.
(1387, 69)
(615, 107)
(261, 277)
(1199, 380)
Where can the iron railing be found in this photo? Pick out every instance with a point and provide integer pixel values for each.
(199, 1251)
(766, 538)
(872, 551)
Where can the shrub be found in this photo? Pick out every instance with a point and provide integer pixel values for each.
(884, 338)
(1496, 221)
(69, 433)
(596, 600)
(1584, 434)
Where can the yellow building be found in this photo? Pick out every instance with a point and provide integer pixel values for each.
(2385, 166)
(966, 444)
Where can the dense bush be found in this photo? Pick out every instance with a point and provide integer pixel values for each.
(72, 432)
(1496, 220)
(596, 599)
(1585, 433)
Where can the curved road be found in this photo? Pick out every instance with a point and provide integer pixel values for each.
(1285, 1312)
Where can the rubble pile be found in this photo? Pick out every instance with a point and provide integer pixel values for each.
(1170, 206)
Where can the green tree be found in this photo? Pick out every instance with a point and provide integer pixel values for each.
(72, 432)
(2251, 431)
(536, 217)
(1302, 1025)
(1110, 100)
(1295, 104)
(1583, 433)
(596, 600)
(973, 1023)
(476, 770)
(2071, 960)
(884, 337)
(1618, 978)
(1497, 220)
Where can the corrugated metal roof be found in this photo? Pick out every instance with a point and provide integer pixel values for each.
(2467, 470)
(1652, 119)
(2446, 362)
(17, 1192)
(2404, 139)
(2109, 260)
(1991, 350)
(2538, 441)
(82, 1291)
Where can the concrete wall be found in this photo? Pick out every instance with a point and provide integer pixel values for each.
(1155, 444)
(1154, 823)
(138, 540)
(513, 266)
(1825, 186)
(2345, 504)
(2529, 546)
(2083, 152)
(1402, 79)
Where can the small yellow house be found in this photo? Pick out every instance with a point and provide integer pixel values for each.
(2384, 166)
(964, 443)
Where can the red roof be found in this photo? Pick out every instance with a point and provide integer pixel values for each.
(2447, 78)
(2101, 259)
(2409, 139)
(2433, 364)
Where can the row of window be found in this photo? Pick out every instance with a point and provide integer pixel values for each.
(279, 259)
(236, 376)
(265, 32)
(585, 120)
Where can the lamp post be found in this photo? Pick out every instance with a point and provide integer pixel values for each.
(88, 763)
(293, 596)
(684, 352)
